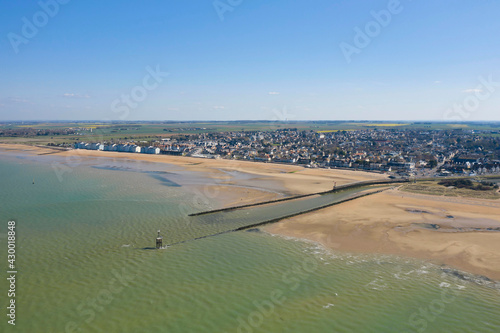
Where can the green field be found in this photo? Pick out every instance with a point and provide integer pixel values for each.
(102, 131)
(433, 188)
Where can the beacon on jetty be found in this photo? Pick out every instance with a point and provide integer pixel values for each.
(159, 241)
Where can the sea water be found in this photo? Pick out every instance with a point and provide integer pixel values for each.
(85, 263)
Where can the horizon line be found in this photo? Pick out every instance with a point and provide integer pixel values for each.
(248, 120)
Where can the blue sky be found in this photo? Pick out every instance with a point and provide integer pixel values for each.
(269, 60)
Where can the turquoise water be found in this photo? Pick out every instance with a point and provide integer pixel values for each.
(84, 264)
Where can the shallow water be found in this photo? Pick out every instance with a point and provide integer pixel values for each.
(83, 263)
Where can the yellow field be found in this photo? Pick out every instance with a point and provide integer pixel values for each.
(48, 125)
(385, 125)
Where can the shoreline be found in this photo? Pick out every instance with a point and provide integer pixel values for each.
(395, 223)
(295, 180)
(392, 222)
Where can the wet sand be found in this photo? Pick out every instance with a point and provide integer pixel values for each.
(462, 233)
(292, 179)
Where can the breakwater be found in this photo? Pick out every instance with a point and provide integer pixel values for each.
(336, 189)
(260, 219)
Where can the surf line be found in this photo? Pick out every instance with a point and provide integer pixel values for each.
(253, 225)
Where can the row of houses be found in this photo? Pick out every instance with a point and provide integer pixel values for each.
(128, 148)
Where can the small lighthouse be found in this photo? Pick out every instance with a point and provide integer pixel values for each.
(159, 241)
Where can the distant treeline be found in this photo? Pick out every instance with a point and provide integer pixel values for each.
(31, 132)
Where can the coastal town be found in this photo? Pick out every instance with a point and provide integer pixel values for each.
(400, 152)
(250, 166)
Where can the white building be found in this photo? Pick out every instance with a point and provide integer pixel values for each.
(152, 150)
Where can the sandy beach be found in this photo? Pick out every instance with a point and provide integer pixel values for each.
(294, 179)
(459, 232)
